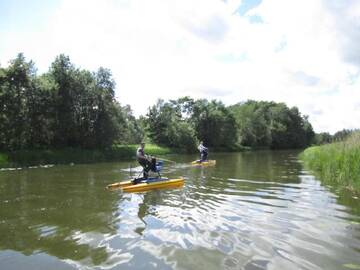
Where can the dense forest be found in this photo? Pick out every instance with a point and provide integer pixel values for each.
(72, 107)
(65, 107)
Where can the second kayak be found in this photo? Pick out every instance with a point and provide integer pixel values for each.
(210, 162)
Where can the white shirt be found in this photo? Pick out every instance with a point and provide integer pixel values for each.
(202, 148)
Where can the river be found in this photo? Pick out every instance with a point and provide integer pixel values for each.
(253, 210)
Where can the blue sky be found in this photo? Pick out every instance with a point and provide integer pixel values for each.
(247, 5)
(301, 52)
(22, 15)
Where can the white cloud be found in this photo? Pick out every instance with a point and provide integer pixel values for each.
(302, 54)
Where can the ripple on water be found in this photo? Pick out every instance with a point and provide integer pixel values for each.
(277, 225)
(212, 223)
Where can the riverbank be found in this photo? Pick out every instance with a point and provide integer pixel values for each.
(336, 163)
(23, 158)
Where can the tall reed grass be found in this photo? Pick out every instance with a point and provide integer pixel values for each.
(336, 163)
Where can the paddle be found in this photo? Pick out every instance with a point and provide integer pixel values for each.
(164, 159)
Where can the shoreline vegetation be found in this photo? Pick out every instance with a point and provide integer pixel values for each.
(336, 163)
(26, 158)
(69, 114)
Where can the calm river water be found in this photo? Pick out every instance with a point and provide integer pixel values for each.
(255, 210)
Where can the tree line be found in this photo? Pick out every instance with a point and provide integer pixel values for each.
(72, 107)
(251, 123)
(326, 137)
(65, 107)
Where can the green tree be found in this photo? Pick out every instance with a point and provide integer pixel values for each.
(16, 88)
(342, 135)
(40, 114)
(270, 124)
(182, 122)
(214, 123)
(252, 120)
(87, 114)
(166, 126)
(109, 118)
(63, 74)
(133, 131)
(322, 138)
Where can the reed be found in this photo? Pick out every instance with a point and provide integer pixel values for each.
(336, 163)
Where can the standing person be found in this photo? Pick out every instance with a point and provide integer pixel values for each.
(145, 161)
(203, 152)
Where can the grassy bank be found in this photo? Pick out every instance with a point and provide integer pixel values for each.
(23, 158)
(3, 160)
(74, 155)
(336, 163)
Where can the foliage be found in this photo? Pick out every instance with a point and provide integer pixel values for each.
(16, 103)
(165, 126)
(65, 107)
(132, 129)
(343, 135)
(251, 124)
(336, 162)
(69, 107)
(182, 123)
(322, 138)
(270, 124)
(325, 137)
(75, 155)
(214, 124)
(3, 160)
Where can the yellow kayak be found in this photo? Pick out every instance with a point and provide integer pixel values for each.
(210, 162)
(148, 184)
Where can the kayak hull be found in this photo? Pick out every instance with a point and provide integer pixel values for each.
(149, 184)
(209, 162)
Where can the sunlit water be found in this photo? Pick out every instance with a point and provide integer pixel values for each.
(256, 210)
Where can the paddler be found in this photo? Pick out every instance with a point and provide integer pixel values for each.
(203, 152)
(147, 162)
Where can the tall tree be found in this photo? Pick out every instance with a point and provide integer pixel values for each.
(214, 123)
(270, 124)
(63, 74)
(16, 87)
(166, 126)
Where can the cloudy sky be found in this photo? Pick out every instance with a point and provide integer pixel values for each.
(305, 53)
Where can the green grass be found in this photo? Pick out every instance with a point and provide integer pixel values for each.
(76, 155)
(129, 151)
(3, 160)
(24, 158)
(336, 163)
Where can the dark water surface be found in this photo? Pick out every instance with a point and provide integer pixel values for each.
(256, 210)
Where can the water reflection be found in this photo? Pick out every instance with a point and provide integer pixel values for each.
(256, 210)
(59, 212)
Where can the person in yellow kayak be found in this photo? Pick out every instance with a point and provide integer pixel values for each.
(147, 162)
(203, 152)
